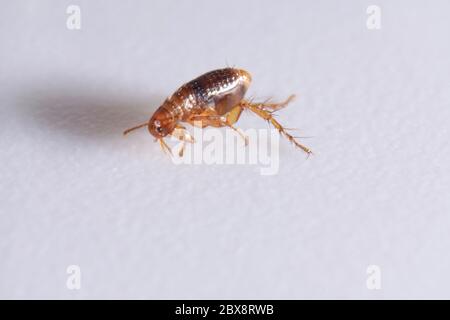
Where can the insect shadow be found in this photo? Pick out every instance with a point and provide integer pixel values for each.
(80, 111)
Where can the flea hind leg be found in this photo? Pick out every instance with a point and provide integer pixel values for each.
(273, 106)
(243, 136)
(232, 117)
(234, 114)
(267, 115)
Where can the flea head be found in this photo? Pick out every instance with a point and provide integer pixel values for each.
(161, 123)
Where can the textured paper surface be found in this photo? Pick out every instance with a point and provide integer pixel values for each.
(74, 191)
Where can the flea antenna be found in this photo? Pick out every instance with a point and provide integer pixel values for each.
(134, 128)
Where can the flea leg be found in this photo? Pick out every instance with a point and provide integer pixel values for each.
(164, 146)
(200, 119)
(273, 106)
(134, 128)
(234, 114)
(219, 121)
(243, 136)
(267, 115)
(232, 118)
(182, 134)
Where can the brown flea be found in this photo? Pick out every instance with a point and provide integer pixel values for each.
(214, 99)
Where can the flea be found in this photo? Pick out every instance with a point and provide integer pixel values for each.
(213, 99)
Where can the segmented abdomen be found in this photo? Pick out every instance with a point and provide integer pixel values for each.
(219, 89)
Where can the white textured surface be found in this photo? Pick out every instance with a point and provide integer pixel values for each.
(74, 191)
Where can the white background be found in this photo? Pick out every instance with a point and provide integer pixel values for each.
(75, 191)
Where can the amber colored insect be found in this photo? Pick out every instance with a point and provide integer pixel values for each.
(214, 99)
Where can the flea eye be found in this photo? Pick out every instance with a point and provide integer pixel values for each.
(159, 129)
